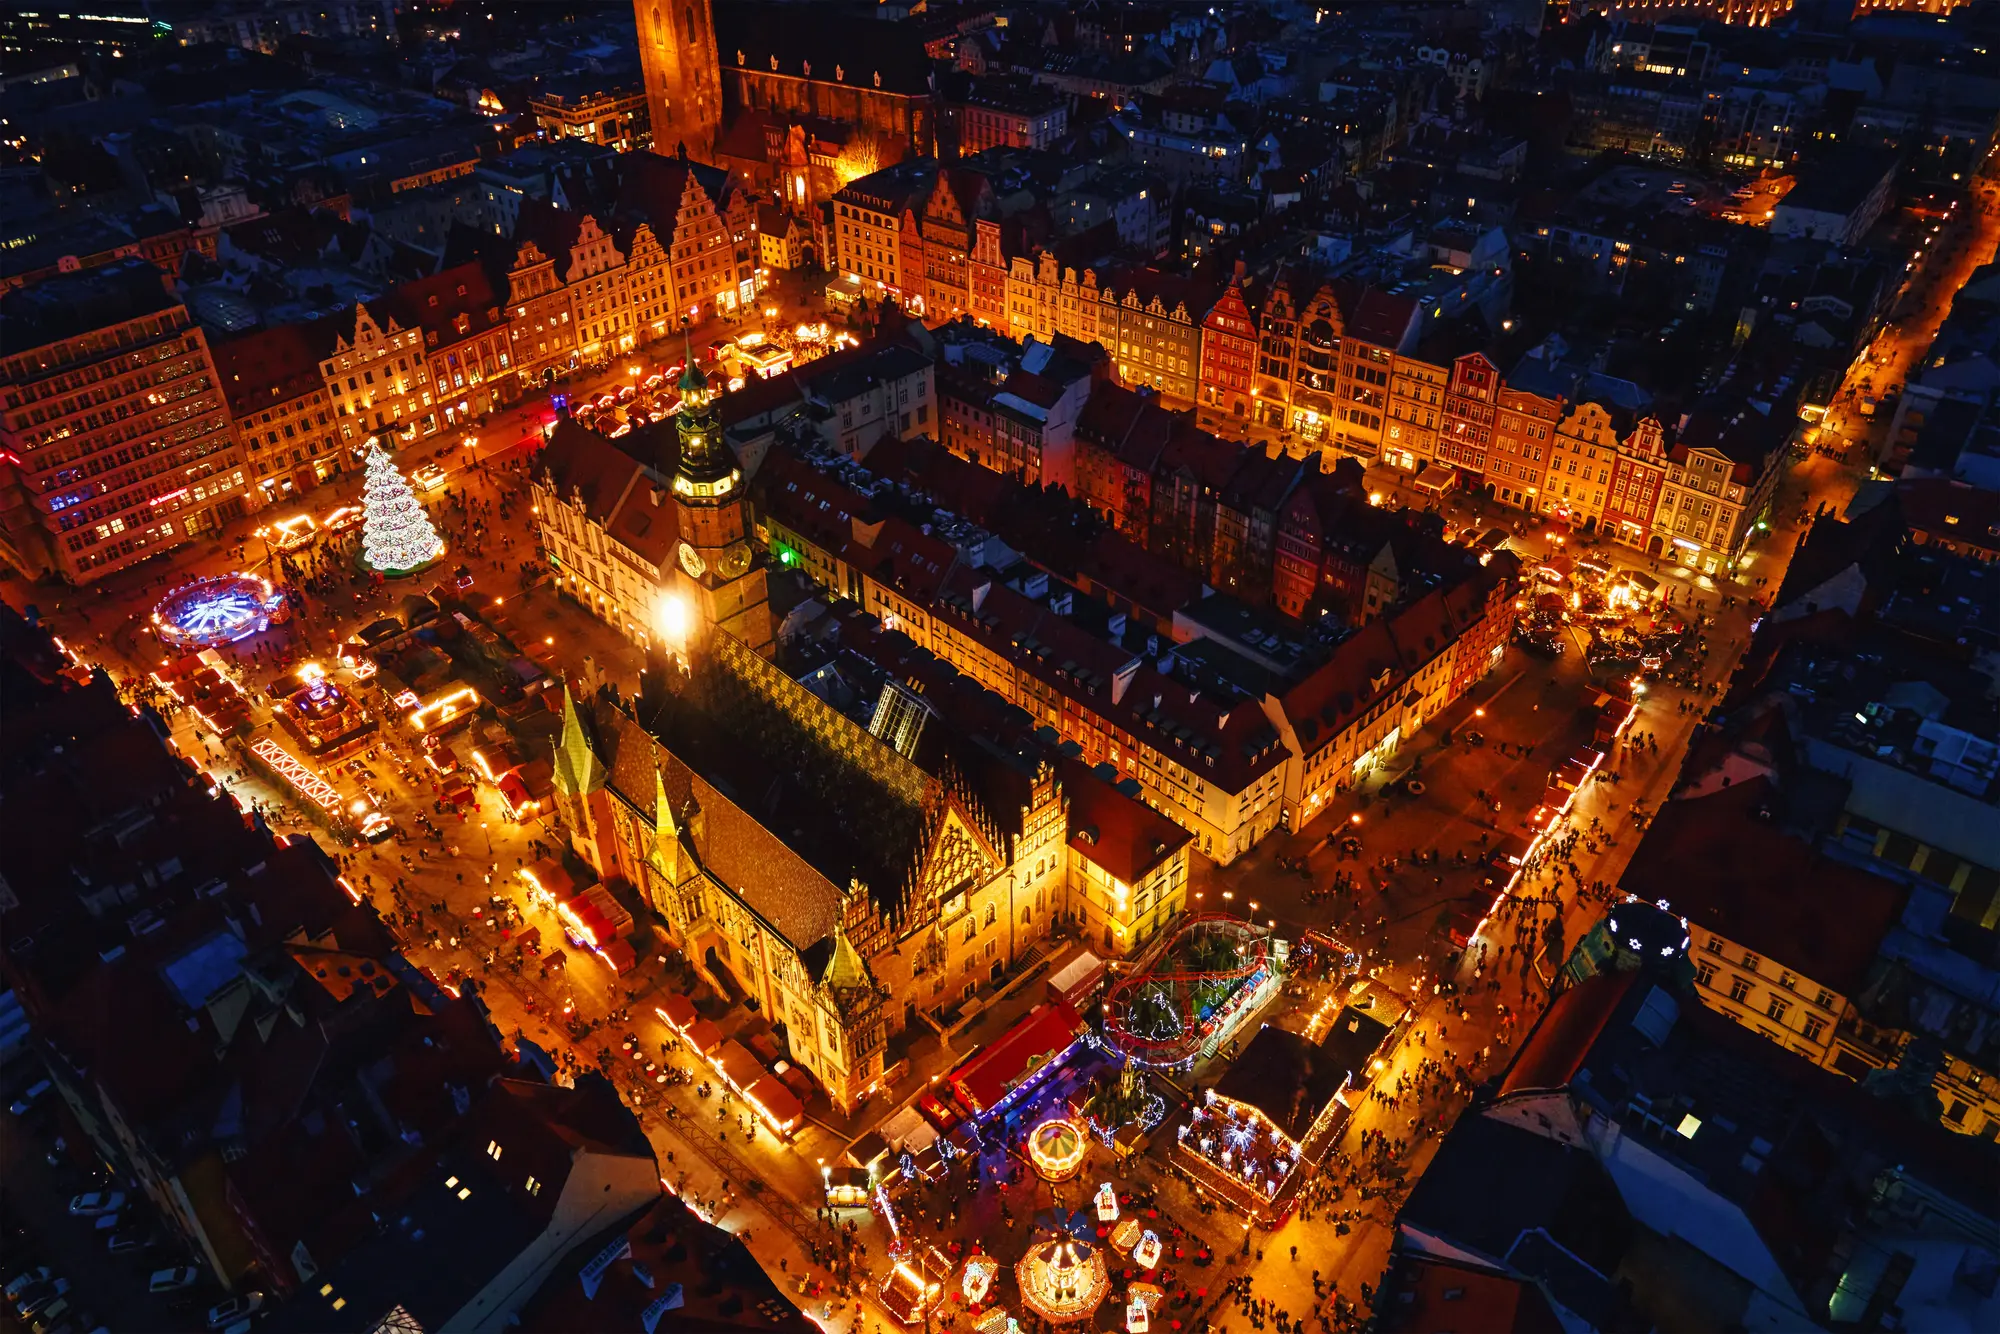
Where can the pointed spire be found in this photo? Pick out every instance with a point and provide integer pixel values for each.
(578, 771)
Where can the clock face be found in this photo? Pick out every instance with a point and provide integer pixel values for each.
(735, 560)
(692, 562)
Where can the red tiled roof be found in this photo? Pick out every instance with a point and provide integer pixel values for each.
(272, 365)
(582, 461)
(1557, 1046)
(1131, 426)
(1723, 864)
(1344, 686)
(988, 1075)
(1119, 833)
(1435, 1296)
(1126, 570)
(436, 303)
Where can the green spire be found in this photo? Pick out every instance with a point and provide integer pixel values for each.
(578, 771)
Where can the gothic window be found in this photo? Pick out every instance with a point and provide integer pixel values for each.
(659, 27)
(692, 33)
(992, 914)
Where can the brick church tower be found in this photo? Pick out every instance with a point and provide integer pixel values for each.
(683, 79)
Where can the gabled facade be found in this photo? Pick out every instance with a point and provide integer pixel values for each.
(1228, 355)
(379, 381)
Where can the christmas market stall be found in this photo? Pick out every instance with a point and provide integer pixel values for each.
(1255, 1137)
(1001, 1074)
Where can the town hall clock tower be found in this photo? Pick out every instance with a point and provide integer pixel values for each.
(719, 576)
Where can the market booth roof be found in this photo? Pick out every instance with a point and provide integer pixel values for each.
(1041, 1036)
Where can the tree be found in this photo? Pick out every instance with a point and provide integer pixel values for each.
(396, 534)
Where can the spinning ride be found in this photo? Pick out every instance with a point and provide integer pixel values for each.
(1056, 1147)
(1188, 988)
(1062, 1281)
(218, 609)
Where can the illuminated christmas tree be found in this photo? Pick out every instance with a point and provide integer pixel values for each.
(396, 534)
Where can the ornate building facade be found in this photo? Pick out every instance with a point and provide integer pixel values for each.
(895, 889)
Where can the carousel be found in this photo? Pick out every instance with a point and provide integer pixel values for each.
(1063, 1280)
(1056, 1147)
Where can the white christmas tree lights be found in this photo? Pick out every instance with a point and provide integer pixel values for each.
(396, 534)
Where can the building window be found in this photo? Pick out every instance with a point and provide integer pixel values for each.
(1824, 1000)
(1704, 974)
(1776, 1009)
(1814, 1026)
(1738, 989)
(1714, 945)
(1750, 962)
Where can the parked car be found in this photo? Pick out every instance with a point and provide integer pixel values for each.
(51, 1315)
(96, 1202)
(21, 1282)
(106, 1223)
(173, 1280)
(224, 1314)
(127, 1239)
(33, 1094)
(38, 1299)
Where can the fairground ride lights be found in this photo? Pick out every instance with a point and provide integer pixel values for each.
(308, 784)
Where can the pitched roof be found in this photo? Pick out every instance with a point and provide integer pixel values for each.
(1121, 834)
(437, 304)
(1722, 863)
(1286, 1076)
(584, 463)
(272, 365)
(796, 899)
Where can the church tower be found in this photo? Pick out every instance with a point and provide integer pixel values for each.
(720, 579)
(683, 77)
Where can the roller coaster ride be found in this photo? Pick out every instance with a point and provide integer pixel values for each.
(1188, 985)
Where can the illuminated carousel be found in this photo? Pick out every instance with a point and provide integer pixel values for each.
(1062, 1281)
(218, 609)
(1056, 1147)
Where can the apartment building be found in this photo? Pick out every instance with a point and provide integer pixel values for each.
(1582, 454)
(115, 438)
(468, 343)
(378, 379)
(1327, 358)
(1228, 357)
(1722, 470)
(579, 106)
(1525, 426)
(1006, 113)
(876, 235)
(278, 405)
(608, 524)
(1385, 681)
(1781, 939)
(539, 327)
